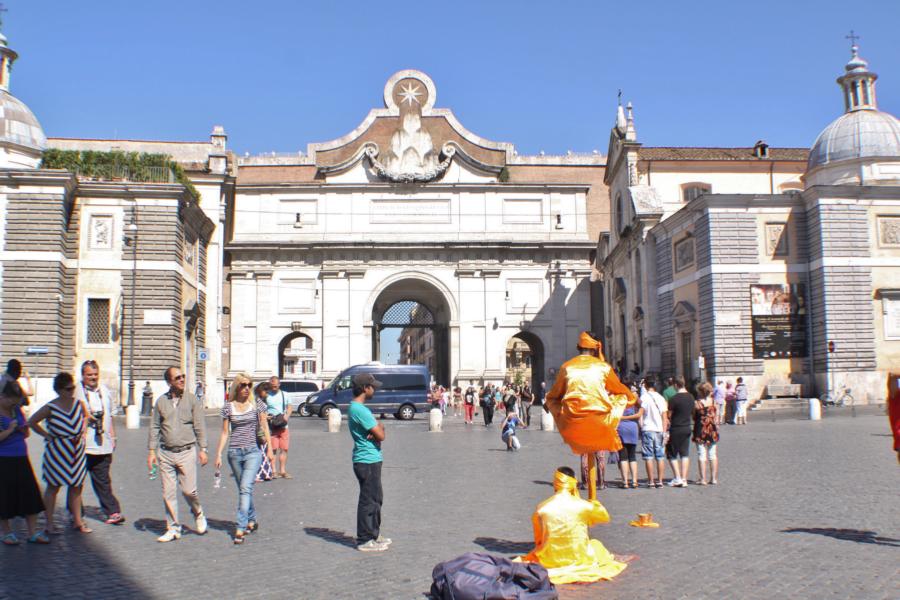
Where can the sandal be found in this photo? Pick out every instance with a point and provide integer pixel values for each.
(115, 519)
(702, 483)
(252, 526)
(238, 537)
(82, 528)
(40, 537)
(10, 539)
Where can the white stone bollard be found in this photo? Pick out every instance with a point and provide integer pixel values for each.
(815, 409)
(133, 417)
(334, 420)
(435, 420)
(546, 421)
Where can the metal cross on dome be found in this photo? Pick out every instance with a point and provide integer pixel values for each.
(852, 37)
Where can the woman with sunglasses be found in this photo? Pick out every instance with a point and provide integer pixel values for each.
(242, 418)
(64, 458)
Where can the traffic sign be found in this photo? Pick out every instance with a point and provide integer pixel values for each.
(203, 354)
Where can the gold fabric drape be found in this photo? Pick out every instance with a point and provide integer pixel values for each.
(587, 402)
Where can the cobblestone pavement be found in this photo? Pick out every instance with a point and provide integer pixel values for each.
(803, 510)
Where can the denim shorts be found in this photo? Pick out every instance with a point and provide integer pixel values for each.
(652, 445)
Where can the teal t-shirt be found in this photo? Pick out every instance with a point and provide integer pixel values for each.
(361, 421)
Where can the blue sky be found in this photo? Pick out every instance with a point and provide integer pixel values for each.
(543, 75)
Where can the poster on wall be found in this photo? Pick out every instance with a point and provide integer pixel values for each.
(778, 316)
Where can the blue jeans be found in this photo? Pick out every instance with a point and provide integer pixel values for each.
(244, 465)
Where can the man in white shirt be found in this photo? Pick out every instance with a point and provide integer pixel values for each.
(101, 438)
(654, 423)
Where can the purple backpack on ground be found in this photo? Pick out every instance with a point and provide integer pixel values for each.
(478, 576)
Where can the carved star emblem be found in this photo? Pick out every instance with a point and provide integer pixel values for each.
(410, 93)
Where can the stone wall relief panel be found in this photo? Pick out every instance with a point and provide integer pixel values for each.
(888, 231)
(101, 231)
(776, 237)
(403, 211)
(684, 253)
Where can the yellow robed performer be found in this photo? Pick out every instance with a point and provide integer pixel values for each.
(562, 543)
(588, 400)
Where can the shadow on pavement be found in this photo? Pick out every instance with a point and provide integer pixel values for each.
(158, 526)
(848, 535)
(539, 482)
(494, 545)
(331, 535)
(73, 564)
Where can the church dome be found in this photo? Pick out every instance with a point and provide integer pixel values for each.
(862, 146)
(18, 125)
(855, 135)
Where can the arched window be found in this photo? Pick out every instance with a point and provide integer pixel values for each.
(638, 274)
(689, 191)
(619, 217)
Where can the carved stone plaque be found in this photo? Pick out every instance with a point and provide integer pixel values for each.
(684, 254)
(100, 235)
(889, 232)
(776, 239)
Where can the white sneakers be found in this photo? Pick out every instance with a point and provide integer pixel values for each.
(170, 535)
(384, 540)
(200, 525)
(373, 546)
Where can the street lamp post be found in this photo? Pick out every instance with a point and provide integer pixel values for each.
(132, 413)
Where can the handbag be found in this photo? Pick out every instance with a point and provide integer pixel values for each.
(279, 421)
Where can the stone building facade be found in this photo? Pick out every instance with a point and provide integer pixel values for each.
(86, 260)
(410, 207)
(693, 253)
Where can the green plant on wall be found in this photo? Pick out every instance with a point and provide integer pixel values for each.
(117, 165)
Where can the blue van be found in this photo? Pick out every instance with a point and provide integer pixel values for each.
(404, 391)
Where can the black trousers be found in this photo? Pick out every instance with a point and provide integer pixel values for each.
(526, 413)
(488, 411)
(98, 466)
(368, 509)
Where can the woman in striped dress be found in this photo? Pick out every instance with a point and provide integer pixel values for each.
(242, 418)
(266, 471)
(64, 461)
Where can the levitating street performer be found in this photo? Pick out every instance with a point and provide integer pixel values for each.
(562, 543)
(893, 395)
(587, 402)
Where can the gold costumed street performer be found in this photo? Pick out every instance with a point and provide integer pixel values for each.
(562, 544)
(587, 402)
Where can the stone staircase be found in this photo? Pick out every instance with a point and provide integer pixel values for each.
(781, 404)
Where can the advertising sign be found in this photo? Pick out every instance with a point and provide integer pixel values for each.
(778, 318)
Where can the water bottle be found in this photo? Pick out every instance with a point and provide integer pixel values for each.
(153, 471)
(218, 479)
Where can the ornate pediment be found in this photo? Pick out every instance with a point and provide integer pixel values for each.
(410, 141)
(684, 314)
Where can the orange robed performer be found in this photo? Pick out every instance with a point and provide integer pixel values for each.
(588, 400)
(562, 543)
(893, 395)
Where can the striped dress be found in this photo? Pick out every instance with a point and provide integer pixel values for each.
(64, 461)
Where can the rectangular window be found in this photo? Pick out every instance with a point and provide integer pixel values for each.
(695, 191)
(97, 321)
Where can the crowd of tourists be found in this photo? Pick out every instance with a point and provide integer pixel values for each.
(80, 440)
(664, 424)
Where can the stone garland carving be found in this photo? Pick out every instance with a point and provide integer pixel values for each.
(415, 167)
(889, 231)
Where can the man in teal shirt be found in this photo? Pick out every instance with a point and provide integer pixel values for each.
(367, 436)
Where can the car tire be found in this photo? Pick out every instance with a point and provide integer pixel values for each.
(323, 412)
(303, 410)
(406, 412)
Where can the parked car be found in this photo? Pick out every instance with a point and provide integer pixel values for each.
(404, 391)
(297, 393)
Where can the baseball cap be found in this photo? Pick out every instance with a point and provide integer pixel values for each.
(364, 379)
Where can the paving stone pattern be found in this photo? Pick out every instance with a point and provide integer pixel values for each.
(804, 510)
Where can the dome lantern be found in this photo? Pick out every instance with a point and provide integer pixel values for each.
(858, 82)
